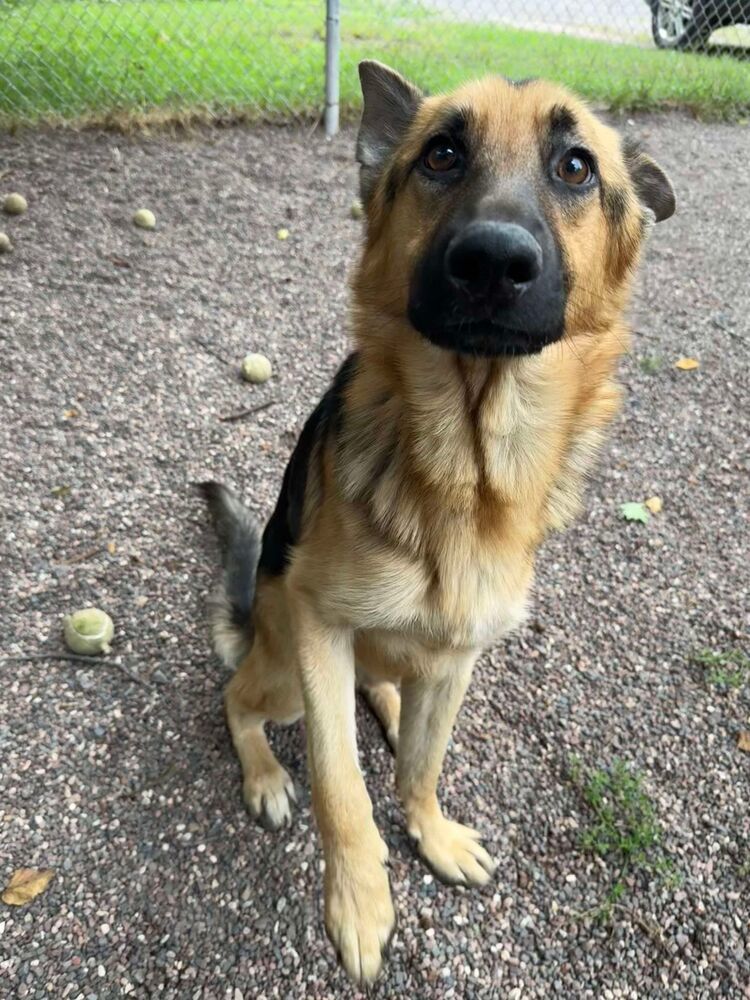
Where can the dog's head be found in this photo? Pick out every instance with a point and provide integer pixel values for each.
(500, 217)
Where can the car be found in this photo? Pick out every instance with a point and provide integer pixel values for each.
(679, 24)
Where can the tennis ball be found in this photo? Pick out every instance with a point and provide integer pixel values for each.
(5, 245)
(89, 631)
(283, 234)
(15, 204)
(256, 368)
(144, 219)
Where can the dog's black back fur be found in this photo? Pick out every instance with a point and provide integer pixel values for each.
(283, 528)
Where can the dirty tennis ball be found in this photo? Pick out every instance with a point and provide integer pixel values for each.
(356, 211)
(144, 218)
(256, 368)
(15, 204)
(5, 245)
(89, 631)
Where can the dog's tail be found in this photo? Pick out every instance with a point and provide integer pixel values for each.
(239, 543)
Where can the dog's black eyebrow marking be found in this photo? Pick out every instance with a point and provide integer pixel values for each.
(562, 121)
(455, 124)
(285, 524)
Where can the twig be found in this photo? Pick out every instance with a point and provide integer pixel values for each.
(720, 325)
(231, 417)
(648, 926)
(82, 556)
(73, 658)
(209, 350)
(315, 124)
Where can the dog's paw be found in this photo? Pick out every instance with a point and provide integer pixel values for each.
(359, 914)
(269, 797)
(452, 851)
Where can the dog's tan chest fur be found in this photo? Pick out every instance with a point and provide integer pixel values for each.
(450, 479)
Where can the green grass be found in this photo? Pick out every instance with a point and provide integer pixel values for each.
(264, 58)
(651, 364)
(623, 828)
(718, 673)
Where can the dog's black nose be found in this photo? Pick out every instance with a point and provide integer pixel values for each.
(493, 261)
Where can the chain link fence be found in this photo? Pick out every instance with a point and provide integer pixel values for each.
(100, 59)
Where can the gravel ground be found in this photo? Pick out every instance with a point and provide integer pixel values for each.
(130, 790)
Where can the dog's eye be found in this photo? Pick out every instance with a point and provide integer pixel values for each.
(575, 168)
(440, 157)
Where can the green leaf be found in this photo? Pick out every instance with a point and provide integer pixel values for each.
(634, 512)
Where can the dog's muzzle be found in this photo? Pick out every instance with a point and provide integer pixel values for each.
(491, 287)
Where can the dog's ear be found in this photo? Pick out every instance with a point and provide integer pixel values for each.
(390, 103)
(653, 187)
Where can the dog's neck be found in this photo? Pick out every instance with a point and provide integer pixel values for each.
(495, 431)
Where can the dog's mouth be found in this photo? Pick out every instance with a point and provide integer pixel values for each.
(484, 336)
(487, 338)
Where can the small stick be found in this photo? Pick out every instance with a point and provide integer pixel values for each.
(727, 329)
(209, 350)
(231, 417)
(72, 658)
(82, 556)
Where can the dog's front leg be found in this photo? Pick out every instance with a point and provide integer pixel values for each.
(428, 711)
(359, 913)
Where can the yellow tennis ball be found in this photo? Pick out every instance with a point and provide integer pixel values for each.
(89, 631)
(144, 219)
(256, 368)
(15, 204)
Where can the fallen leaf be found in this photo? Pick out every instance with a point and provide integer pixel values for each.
(112, 547)
(634, 512)
(60, 491)
(654, 504)
(687, 364)
(743, 741)
(71, 413)
(26, 884)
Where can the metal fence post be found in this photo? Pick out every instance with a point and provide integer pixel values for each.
(333, 47)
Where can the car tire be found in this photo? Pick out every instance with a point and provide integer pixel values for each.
(675, 24)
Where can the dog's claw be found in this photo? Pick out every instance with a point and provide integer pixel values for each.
(270, 802)
(360, 919)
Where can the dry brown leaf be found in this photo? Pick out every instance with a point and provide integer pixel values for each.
(71, 414)
(111, 548)
(687, 364)
(654, 504)
(743, 741)
(26, 884)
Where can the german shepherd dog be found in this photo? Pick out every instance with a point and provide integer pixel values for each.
(504, 222)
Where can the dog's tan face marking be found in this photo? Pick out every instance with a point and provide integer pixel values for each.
(532, 156)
